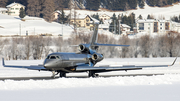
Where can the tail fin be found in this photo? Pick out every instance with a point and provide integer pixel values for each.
(94, 38)
(95, 35)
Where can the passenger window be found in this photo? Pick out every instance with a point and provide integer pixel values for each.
(53, 57)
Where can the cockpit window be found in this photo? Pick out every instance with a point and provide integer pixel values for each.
(57, 57)
(52, 57)
(47, 57)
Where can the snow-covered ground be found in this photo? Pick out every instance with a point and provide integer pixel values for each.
(129, 88)
(10, 25)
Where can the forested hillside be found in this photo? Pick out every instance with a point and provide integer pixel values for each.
(96, 4)
(44, 8)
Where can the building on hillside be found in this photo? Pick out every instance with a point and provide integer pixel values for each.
(85, 21)
(56, 14)
(175, 27)
(3, 11)
(104, 17)
(104, 27)
(14, 9)
(125, 29)
(157, 26)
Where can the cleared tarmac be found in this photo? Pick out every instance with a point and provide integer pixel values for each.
(50, 78)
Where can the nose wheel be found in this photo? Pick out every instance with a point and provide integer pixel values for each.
(53, 74)
(61, 74)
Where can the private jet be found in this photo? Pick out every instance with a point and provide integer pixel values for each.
(83, 61)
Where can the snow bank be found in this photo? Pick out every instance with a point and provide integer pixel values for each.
(89, 82)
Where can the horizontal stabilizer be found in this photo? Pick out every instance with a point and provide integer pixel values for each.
(97, 44)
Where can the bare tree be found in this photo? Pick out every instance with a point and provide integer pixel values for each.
(48, 9)
(34, 8)
(124, 50)
(37, 47)
(3, 3)
(144, 45)
(28, 47)
(170, 39)
(47, 42)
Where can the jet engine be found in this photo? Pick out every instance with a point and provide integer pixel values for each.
(83, 48)
(97, 57)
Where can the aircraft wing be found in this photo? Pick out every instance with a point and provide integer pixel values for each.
(32, 67)
(109, 68)
(125, 67)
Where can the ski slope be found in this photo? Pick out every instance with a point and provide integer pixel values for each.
(139, 88)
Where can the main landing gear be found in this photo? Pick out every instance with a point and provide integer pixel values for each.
(61, 74)
(92, 74)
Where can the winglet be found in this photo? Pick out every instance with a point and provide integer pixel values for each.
(3, 62)
(174, 61)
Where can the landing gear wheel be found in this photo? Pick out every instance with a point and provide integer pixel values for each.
(92, 74)
(62, 74)
(53, 74)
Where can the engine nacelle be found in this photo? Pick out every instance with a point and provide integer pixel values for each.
(97, 57)
(83, 48)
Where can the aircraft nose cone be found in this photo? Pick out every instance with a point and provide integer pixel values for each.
(47, 64)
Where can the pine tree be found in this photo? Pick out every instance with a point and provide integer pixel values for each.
(141, 3)
(96, 16)
(33, 8)
(140, 17)
(176, 19)
(148, 17)
(93, 4)
(47, 9)
(170, 2)
(22, 13)
(131, 21)
(114, 24)
(62, 18)
(101, 22)
(132, 4)
(152, 2)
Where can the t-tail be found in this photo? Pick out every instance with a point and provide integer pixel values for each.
(93, 45)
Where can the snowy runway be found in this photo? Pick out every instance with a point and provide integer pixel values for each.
(117, 88)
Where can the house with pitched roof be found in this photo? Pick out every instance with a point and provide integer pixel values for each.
(85, 21)
(3, 10)
(104, 17)
(14, 9)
